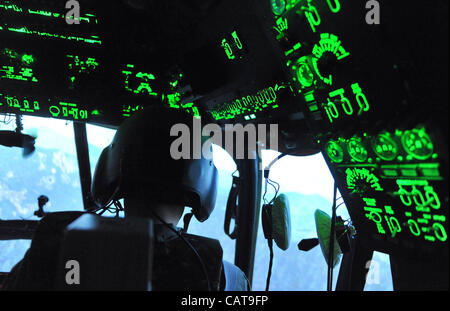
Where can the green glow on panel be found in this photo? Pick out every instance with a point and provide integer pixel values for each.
(336, 7)
(228, 51)
(374, 214)
(27, 59)
(421, 194)
(309, 97)
(143, 80)
(88, 18)
(357, 150)
(228, 48)
(327, 80)
(237, 41)
(86, 65)
(414, 227)
(24, 74)
(361, 180)
(360, 98)
(393, 225)
(68, 110)
(417, 143)
(128, 110)
(312, 15)
(330, 43)
(278, 6)
(346, 106)
(296, 47)
(304, 73)
(23, 105)
(248, 104)
(439, 218)
(334, 152)
(332, 110)
(173, 100)
(26, 30)
(385, 147)
(281, 26)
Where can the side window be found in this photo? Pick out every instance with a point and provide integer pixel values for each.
(213, 227)
(98, 138)
(379, 277)
(308, 183)
(52, 170)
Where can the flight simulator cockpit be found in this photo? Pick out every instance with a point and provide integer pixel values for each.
(363, 84)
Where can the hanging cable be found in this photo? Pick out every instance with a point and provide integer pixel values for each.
(331, 242)
(269, 273)
(266, 214)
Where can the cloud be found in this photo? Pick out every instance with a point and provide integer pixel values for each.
(16, 198)
(66, 166)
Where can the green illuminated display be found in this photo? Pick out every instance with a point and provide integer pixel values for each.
(330, 43)
(128, 110)
(22, 74)
(423, 223)
(419, 193)
(23, 105)
(25, 30)
(312, 15)
(15, 57)
(357, 150)
(375, 213)
(334, 5)
(82, 66)
(27, 59)
(28, 105)
(138, 82)
(420, 199)
(429, 171)
(79, 66)
(68, 110)
(306, 71)
(338, 97)
(334, 152)
(361, 180)
(296, 47)
(417, 143)
(281, 27)
(304, 74)
(385, 147)
(278, 6)
(248, 104)
(87, 18)
(228, 48)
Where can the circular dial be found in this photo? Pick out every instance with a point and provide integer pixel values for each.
(357, 150)
(361, 180)
(418, 144)
(278, 6)
(385, 147)
(304, 74)
(334, 152)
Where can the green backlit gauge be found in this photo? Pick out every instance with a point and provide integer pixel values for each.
(385, 147)
(357, 150)
(305, 75)
(361, 180)
(418, 144)
(334, 152)
(278, 6)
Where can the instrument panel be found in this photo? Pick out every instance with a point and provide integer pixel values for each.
(374, 96)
